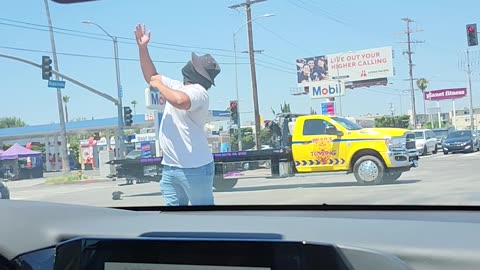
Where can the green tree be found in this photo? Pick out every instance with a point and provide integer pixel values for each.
(247, 139)
(422, 84)
(433, 124)
(11, 122)
(401, 121)
(285, 108)
(265, 137)
(66, 99)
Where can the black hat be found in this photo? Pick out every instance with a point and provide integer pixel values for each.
(206, 66)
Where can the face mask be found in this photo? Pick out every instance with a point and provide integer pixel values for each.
(191, 76)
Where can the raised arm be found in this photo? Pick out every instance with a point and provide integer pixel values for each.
(148, 69)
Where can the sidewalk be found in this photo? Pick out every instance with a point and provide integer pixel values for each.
(25, 183)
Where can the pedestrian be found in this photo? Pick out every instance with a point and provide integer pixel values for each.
(188, 168)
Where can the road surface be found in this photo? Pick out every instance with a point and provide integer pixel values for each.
(441, 179)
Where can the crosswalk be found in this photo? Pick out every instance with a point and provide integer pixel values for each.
(440, 155)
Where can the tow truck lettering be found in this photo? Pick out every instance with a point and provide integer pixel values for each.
(323, 153)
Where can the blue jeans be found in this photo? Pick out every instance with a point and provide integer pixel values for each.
(182, 185)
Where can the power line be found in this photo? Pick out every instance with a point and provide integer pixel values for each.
(100, 57)
(132, 42)
(103, 35)
(131, 59)
(303, 5)
(282, 38)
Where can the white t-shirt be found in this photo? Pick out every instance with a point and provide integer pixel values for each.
(182, 137)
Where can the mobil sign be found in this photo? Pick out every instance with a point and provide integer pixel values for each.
(454, 93)
(154, 100)
(326, 89)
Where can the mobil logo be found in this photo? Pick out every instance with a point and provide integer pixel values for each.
(154, 100)
(327, 89)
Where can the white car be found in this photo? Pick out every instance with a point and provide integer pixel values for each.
(426, 141)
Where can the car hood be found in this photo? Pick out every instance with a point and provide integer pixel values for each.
(461, 139)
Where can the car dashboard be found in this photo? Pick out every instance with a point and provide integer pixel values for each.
(36, 235)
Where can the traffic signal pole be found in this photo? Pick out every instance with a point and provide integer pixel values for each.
(469, 74)
(63, 130)
(472, 40)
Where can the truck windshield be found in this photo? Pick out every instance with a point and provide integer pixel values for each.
(347, 123)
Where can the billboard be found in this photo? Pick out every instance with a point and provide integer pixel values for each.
(443, 94)
(363, 65)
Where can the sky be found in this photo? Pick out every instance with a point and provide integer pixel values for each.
(299, 28)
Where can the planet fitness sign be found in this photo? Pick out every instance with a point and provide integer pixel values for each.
(443, 94)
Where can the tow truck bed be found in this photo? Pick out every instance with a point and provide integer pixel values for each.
(229, 167)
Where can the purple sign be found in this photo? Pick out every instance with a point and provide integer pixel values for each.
(150, 160)
(230, 154)
(443, 94)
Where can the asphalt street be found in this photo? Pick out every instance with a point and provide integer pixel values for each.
(439, 180)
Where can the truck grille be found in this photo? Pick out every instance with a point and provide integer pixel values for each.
(410, 141)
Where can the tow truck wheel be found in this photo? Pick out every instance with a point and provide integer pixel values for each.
(391, 177)
(368, 170)
(221, 184)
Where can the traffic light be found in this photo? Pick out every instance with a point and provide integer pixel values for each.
(46, 67)
(472, 37)
(234, 112)
(127, 116)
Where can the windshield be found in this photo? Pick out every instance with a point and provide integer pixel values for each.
(347, 123)
(419, 135)
(441, 133)
(227, 103)
(459, 134)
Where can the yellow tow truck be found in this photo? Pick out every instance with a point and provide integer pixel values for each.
(305, 144)
(321, 143)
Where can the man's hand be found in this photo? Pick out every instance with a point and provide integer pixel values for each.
(156, 81)
(141, 36)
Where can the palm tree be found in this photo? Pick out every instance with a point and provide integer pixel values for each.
(134, 103)
(66, 99)
(422, 84)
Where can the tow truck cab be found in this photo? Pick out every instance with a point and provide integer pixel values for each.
(321, 143)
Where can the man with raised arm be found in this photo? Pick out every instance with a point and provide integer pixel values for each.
(188, 168)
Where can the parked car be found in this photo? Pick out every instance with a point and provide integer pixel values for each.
(441, 134)
(4, 192)
(461, 141)
(426, 141)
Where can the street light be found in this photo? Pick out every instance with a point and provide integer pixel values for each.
(239, 131)
(119, 141)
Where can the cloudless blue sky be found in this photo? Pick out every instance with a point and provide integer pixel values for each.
(315, 28)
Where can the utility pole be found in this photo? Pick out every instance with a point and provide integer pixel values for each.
(469, 74)
(410, 65)
(247, 4)
(63, 130)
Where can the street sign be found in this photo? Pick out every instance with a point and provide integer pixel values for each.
(56, 84)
